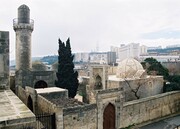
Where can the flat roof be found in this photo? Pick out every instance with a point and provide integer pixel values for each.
(12, 109)
(49, 90)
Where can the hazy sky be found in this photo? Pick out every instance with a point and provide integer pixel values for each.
(89, 23)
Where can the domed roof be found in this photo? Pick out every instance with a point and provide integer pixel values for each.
(38, 66)
(129, 68)
(23, 7)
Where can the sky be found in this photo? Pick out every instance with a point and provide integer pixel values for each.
(93, 24)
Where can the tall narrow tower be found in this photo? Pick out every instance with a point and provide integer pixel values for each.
(23, 26)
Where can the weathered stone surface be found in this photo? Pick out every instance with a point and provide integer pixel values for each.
(80, 117)
(14, 112)
(4, 60)
(148, 86)
(23, 28)
(150, 108)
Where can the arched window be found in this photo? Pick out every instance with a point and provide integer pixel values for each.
(98, 82)
(40, 84)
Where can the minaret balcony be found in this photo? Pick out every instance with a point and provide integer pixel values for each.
(18, 25)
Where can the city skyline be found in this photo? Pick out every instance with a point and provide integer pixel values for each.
(88, 23)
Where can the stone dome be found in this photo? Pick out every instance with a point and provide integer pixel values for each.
(23, 14)
(23, 7)
(38, 66)
(129, 68)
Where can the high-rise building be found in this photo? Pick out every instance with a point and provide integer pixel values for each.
(143, 50)
(126, 51)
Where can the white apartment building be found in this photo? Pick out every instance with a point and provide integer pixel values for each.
(143, 50)
(98, 58)
(81, 57)
(116, 50)
(102, 57)
(127, 51)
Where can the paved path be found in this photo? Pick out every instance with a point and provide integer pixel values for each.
(169, 123)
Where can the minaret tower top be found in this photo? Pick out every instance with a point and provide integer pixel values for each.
(23, 20)
(23, 26)
(23, 14)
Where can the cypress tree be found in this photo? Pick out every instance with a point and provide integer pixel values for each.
(66, 76)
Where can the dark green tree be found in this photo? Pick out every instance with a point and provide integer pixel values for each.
(66, 76)
(152, 65)
(172, 82)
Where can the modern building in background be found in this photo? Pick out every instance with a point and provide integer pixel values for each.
(81, 57)
(127, 51)
(95, 57)
(116, 50)
(143, 50)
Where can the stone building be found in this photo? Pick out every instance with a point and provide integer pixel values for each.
(13, 113)
(111, 101)
(128, 97)
(25, 75)
(130, 76)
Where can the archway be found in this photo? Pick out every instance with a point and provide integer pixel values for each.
(98, 83)
(30, 103)
(40, 84)
(109, 117)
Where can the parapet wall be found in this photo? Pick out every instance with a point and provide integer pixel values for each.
(4, 60)
(151, 108)
(45, 106)
(80, 117)
(22, 94)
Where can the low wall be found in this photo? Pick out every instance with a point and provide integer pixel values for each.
(45, 106)
(80, 117)
(27, 125)
(151, 108)
(22, 94)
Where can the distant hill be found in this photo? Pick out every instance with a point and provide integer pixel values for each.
(13, 62)
(165, 50)
(49, 59)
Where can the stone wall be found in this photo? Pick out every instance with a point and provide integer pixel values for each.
(101, 71)
(47, 76)
(45, 106)
(145, 87)
(105, 97)
(23, 78)
(27, 125)
(22, 94)
(55, 95)
(149, 109)
(112, 70)
(81, 117)
(4, 60)
(29, 78)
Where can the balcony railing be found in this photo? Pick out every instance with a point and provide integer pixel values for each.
(16, 21)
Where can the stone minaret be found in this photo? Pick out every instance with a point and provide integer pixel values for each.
(23, 26)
